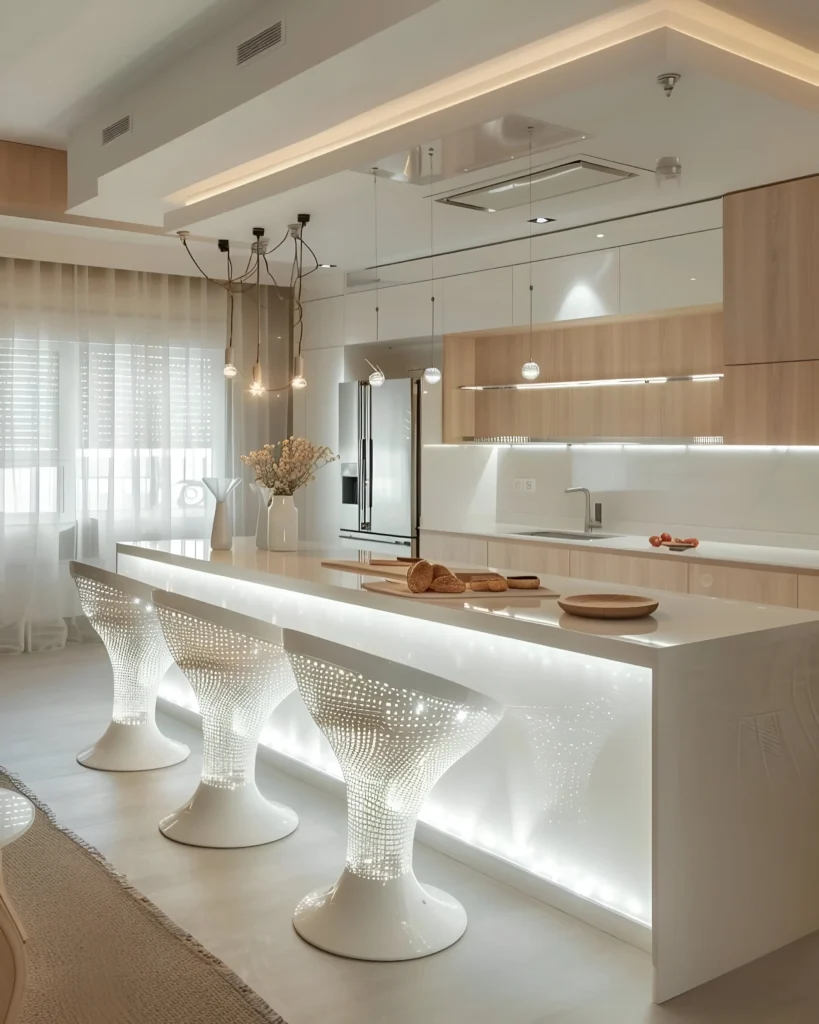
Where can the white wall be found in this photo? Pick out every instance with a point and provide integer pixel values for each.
(715, 493)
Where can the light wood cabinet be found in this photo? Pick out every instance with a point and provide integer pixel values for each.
(808, 592)
(772, 403)
(771, 256)
(762, 586)
(630, 570)
(453, 549)
(529, 556)
(33, 178)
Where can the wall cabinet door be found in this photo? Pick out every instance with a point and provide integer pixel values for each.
(404, 311)
(670, 273)
(569, 288)
(772, 403)
(658, 573)
(762, 586)
(475, 302)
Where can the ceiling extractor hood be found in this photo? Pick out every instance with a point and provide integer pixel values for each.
(474, 148)
(547, 183)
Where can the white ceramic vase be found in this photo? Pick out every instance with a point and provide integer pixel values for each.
(283, 523)
(221, 534)
(262, 523)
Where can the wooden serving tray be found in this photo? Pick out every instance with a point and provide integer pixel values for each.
(608, 606)
(382, 567)
(396, 588)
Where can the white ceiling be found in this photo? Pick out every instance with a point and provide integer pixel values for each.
(59, 57)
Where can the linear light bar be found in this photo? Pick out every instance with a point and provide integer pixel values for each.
(615, 382)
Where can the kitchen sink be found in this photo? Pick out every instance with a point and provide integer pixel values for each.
(568, 535)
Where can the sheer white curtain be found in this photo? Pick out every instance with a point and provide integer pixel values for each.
(111, 411)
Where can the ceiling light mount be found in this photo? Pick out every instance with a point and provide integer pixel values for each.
(668, 79)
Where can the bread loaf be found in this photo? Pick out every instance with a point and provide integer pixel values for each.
(448, 585)
(523, 582)
(495, 585)
(419, 577)
(439, 570)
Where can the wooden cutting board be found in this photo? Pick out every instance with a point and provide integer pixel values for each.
(383, 568)
(608, 606)
(396, 588)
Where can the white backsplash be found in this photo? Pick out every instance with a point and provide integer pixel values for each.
(741, 496)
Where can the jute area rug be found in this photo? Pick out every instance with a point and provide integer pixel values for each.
(101, 953)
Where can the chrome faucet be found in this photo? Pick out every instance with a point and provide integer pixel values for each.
(590, 524)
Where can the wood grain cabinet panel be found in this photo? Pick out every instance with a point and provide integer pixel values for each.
(453, 549)
(630, 570)
(529, 556)
(762, 586)
(808, 595)
(772, 403)
(771, 256)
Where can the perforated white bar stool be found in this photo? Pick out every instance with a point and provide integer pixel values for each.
(395, 731)
(239, 672)
(121, 611)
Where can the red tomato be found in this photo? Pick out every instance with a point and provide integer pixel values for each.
(665, 536)
(655, 542)
(691, 540)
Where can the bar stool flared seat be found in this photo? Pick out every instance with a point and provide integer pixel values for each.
(121, 611)
(395, 730)
(240, 673)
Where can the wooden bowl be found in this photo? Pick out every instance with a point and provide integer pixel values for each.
(523, 582)
(608, 606)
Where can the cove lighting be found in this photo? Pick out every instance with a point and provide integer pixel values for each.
(616, 382)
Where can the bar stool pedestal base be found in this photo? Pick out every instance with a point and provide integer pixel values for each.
(223, 818)
(133, 748)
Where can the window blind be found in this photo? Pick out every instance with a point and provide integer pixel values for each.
(29, 405)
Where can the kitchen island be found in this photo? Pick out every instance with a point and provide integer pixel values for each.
(657, 778)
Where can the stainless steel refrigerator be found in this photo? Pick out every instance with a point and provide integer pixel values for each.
(379, 443)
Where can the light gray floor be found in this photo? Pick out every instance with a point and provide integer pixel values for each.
(520, 962)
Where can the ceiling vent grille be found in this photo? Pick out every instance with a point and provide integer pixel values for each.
(113, 131)
(264, 40)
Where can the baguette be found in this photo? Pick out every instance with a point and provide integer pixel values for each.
(419, 577)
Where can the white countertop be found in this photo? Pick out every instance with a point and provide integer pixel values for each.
(787, 559)
(680, 619)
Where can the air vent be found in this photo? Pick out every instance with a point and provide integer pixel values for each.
(264, 40)
(113, 131)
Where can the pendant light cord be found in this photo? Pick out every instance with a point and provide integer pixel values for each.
(431, 265)
(375, 247)
(531, 285)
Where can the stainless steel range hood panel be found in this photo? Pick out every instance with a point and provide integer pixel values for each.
(546, 183)
(474, 148)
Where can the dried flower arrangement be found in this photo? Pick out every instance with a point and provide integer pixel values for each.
(289, 464)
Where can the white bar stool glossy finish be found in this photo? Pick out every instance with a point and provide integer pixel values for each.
(122, 612)
(395, 731)
(239, 672)
(16, 816)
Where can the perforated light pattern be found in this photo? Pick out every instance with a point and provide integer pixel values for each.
(393, 745)
(130, 630)
(238, 681)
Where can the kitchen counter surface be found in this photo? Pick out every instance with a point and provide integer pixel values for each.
(802, 560)
(680, 619)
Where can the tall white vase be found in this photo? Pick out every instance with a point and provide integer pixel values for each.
(283, 523)
(221, 534)
(262, 523)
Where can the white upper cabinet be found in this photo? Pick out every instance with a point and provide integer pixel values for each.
(404, 311)
(569, 287)
(476, 302)
(323, 323)
(669, 273)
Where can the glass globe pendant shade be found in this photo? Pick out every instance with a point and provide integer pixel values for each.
(432, 375)
(530, 370)
(376, 379)
(229, 369)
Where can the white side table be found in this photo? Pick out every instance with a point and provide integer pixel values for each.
(16, 815)
(395, 731)
(239, 672)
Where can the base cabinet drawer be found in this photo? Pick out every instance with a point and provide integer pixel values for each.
(809, 593)
(762, 586)
(453, 549)
(528, 556)
(659, 573)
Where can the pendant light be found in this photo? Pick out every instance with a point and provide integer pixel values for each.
(432, 375)
(530, 370)
(377, 377)
(257, 387)
(229, 369)
(378, 380)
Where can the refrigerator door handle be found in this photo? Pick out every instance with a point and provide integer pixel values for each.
(365, 457)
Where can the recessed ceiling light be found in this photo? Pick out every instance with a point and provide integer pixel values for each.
(693, 279)
(327, 266)
(541, 220)
(601, 235)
